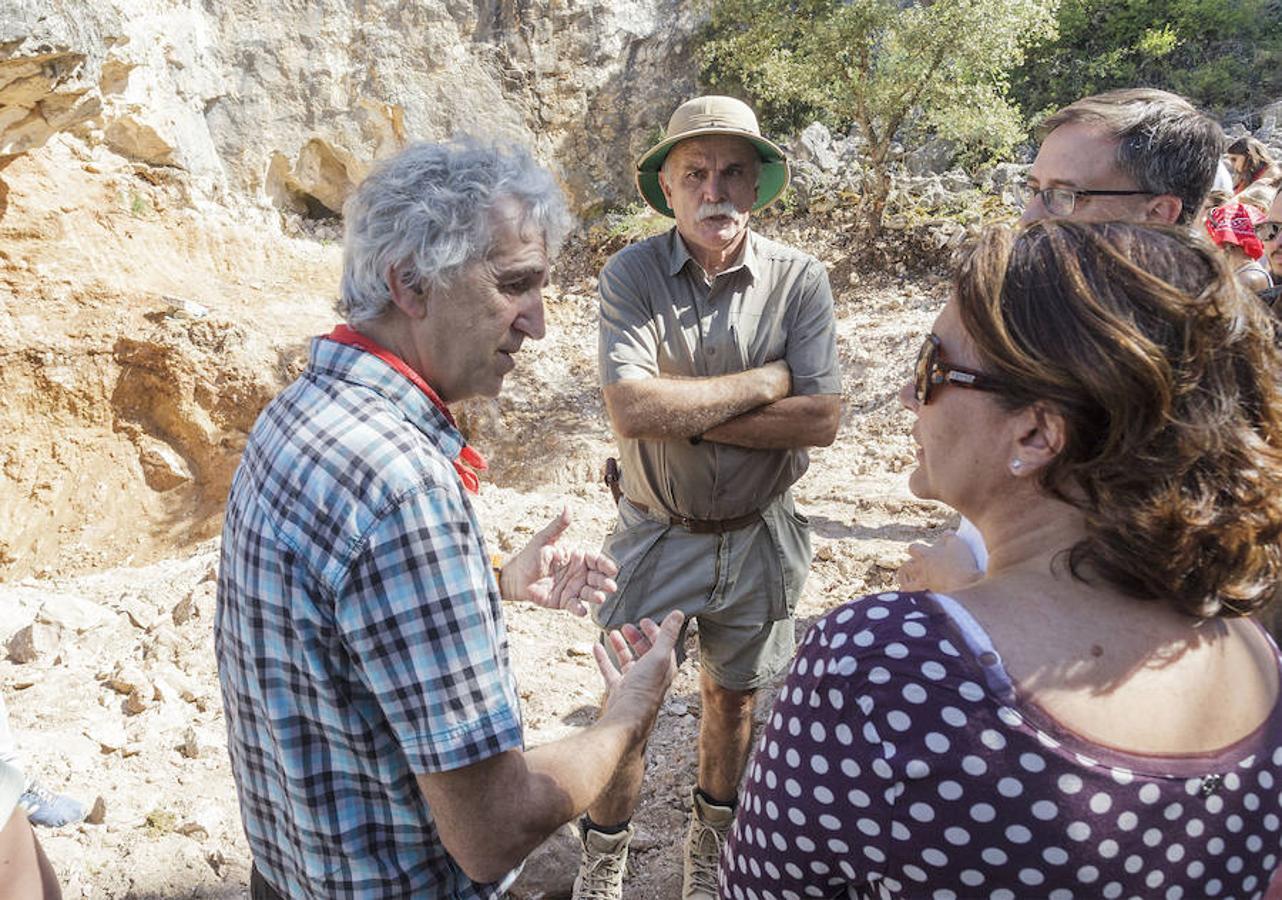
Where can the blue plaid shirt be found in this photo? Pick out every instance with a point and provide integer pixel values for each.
(359, 635)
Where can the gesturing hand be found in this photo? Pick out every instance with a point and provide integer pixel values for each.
(647, 663)
(548, 575)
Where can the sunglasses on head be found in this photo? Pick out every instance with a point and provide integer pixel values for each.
(1267, 231)
(931, 372)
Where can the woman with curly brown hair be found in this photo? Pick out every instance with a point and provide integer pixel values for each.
(1098, 716)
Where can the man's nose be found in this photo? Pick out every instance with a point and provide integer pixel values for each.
(1033, 212)
(530, 320)
(714, 188)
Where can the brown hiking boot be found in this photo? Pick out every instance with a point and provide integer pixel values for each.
(601, 867)
(709, 825)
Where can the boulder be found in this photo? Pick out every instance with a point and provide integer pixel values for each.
(72, 613)
(1006, 175)
(931, 158)
(814, 144)
(37, 641)
(163, 467)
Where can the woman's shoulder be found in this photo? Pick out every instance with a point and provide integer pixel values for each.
(892, 625)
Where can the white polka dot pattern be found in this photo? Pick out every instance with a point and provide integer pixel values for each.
(886, 766)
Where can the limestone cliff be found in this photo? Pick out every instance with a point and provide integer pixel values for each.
(286, 102)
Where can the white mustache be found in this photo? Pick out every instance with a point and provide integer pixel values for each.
(725, 208)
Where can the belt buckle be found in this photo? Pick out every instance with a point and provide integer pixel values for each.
(685, 522)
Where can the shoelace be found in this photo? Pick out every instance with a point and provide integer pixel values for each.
(703, 865)
(600, 877)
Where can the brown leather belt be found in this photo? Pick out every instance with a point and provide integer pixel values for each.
(704, 526)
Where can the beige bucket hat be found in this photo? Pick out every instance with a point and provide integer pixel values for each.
(713, 115)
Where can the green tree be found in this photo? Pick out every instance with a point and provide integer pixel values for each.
(894, 70)
(1219, 53)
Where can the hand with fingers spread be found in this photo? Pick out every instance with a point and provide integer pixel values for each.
(551, 576)
(647, 664)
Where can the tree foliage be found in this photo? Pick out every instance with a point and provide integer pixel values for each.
(1220, 53)
(893, 70)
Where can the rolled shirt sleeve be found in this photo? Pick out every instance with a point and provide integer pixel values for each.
(423, 630)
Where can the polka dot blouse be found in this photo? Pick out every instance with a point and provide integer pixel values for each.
(897, 762)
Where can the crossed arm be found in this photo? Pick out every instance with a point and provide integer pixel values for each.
(748, 409)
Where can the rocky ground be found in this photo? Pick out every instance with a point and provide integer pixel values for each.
(137, 342)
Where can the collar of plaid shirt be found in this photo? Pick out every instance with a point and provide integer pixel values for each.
(469, 461)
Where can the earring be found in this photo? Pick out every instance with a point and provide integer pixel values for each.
(1016, 465)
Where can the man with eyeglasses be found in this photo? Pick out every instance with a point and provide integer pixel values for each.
(1137, 155)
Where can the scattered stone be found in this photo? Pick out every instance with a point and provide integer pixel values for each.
(140, 613)
(217, 861)
(177, 681)
(163, 467)
(184, 611)
(98, 812)
(139, 701)
(73, 613)
(163, 644)
(191, 745)
(108, 735)
(127, 678)
(181, 308)
(205, 597)
(36, 641)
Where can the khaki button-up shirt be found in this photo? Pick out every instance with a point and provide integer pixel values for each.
(661, 316)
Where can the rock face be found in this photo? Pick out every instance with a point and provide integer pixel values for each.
(49, 70)
(288, 104)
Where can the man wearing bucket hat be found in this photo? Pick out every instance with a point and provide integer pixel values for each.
(719, 369)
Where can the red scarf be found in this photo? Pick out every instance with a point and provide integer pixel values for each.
(469, 461)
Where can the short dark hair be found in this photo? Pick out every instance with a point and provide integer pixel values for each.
(1163, 142)
(1164, 373)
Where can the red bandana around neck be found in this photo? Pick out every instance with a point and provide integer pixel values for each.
(469, 461)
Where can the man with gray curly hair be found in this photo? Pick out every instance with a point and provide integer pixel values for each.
(373, 720)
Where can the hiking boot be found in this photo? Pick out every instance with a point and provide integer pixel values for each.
(709, 825)
(601, 867)
(44, 807)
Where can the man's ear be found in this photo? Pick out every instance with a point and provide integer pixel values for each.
(411, 302)
(1041, 436)
(663, 186)
(1164, 209)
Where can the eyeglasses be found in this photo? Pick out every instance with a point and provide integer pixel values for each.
(1267, 231)
(1063, 201)
(932, 371)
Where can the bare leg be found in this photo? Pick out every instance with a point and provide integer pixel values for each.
(618, 801)
(725, 738)
(25, 873)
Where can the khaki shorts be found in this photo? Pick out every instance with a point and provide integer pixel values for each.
(741, 586)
